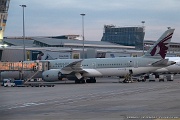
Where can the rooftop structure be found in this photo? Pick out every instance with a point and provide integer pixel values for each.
(52, 42)
(71, 37)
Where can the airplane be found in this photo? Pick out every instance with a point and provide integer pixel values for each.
(85, 70)
(153, 59)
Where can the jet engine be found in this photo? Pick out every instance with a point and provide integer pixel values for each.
(52, 75)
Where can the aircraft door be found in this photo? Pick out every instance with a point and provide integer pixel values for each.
(45, 65)
(93, 65)
(136, 64)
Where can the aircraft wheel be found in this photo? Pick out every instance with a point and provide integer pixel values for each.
(77, 81)
(93, 80)
(82, 81)
(88, 81)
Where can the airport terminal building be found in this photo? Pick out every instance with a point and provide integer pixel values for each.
(54, 48)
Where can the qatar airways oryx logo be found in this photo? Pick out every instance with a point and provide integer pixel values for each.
(161, 48)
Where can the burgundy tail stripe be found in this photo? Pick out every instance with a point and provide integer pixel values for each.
(167, 37)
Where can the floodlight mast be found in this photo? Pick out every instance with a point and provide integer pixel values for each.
(22, 77)
(83, 31)
(23, 6)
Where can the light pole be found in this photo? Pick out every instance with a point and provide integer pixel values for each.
(83, 31)
(23, 6)
(22, 76)
(143, 31)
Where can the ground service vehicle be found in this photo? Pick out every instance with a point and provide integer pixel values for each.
(21, 83)
(170, 77)
(8, 83)
(161, 78)
(152, 78)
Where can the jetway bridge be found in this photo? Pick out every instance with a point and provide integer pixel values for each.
(26, 70)
(24, 66)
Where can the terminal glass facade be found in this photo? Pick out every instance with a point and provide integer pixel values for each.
(129, 36)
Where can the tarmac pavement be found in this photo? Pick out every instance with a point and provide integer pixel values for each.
(105, 100)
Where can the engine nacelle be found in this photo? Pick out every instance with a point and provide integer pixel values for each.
(52, 75)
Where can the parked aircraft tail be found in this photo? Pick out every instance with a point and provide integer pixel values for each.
(160, 48)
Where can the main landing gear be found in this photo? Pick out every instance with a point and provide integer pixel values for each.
(90, 80)
(78, 81)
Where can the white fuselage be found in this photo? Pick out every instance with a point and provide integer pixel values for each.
(119, 66)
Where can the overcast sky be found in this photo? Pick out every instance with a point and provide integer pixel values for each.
(62, 17)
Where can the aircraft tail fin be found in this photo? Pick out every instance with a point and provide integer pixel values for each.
(160, 48)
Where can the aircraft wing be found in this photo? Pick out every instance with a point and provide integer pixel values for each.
(75, 66)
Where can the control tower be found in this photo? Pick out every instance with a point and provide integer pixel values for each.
(4, 6)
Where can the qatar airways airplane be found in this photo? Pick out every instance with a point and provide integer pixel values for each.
(90, 68)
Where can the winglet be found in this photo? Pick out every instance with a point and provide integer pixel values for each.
(160, 48)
